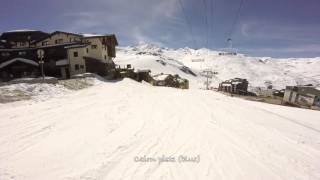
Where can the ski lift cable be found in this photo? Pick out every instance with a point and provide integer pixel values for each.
(236, 19)
(212, 21)
(206, 22)
(187, 22)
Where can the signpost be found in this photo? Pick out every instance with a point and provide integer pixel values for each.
(40, 53)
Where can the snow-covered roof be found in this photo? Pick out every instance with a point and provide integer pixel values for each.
(160, 77)
(143, 70)
(28, 61)
(20, 30)
(91, 35)
(62, 62)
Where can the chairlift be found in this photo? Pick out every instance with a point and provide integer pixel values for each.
(197, 60)
(230, 51)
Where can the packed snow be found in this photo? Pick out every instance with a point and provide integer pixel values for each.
(128, 130)
(259, 71)
(89, 128)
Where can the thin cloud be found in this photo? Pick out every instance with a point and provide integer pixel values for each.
(136, 23)
(280, 31)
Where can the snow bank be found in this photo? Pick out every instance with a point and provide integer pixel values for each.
(36, 92)
(43, 91)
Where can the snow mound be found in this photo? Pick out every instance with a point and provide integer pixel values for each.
(43, 91)
(36, 92)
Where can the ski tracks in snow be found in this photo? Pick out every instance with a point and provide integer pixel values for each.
(99, 132)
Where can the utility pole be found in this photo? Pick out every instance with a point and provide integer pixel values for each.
(40, 53)
(208, 74)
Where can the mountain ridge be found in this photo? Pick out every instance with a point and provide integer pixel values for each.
(258, 70)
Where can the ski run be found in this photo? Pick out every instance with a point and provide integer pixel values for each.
(128, 130)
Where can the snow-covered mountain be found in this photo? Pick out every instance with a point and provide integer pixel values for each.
(258, 70)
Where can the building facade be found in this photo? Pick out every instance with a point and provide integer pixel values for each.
(65, 54)
(235, 86)
(302, 96)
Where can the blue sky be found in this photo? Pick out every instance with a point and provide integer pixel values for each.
(277, 28)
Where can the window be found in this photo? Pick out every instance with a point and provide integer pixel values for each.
(44, 43)
(75, 54)
(5, 54)
(76, 67)
(21, 53)
(82, 66)
(87, 50)
(59, 41)
(94, 46)
(22, 43)
(105, 57)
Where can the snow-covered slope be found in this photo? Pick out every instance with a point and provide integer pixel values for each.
(259, 71)
(106, 131)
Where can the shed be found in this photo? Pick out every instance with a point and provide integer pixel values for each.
(170, 81)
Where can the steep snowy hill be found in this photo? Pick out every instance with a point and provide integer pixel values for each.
(117, 131)
(259, 71)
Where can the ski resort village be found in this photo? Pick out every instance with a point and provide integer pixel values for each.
(79, 106)
(159, 90)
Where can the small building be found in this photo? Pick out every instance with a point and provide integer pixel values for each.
(169, 80)
(234, 86)
(307, 96)
(143, 75)
(227, 54)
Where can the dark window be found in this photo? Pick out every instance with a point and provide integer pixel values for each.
(87, 50)
(82, 66)
(105, 57)
(21, 53)
(76, 66)
(22, 44)
(75, 54)
(44, 43)
(59, 41)
(5, 54)
(94, 46)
